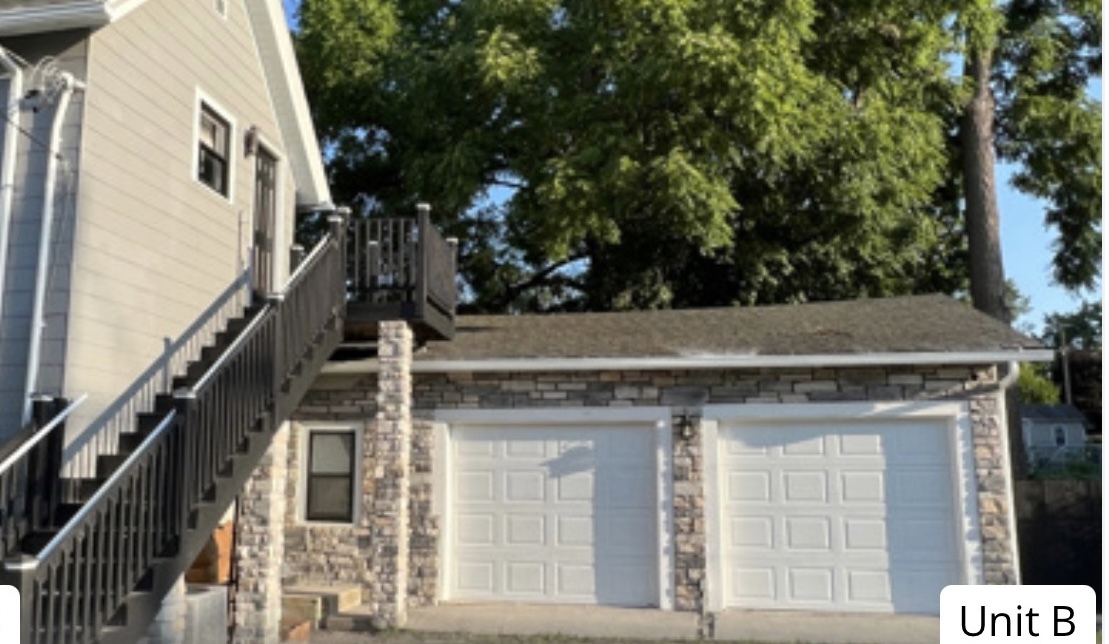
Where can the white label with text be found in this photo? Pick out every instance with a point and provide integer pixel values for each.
(975, 614)
(9, 614)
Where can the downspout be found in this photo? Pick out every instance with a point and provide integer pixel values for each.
(69, 84)
(1011, 376)
(7, 164)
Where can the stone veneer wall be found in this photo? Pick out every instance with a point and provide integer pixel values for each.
(344, 398)
(259, 547)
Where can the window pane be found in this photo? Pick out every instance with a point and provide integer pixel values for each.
(332, 452)
(329, 498)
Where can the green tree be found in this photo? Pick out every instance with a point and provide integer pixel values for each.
(647, 153)
(1035, 385)
(652, 153)
(1027, 65)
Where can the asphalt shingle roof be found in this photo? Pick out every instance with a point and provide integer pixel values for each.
(1067, 413)
(931, 323)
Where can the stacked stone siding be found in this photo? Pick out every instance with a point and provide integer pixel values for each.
(259, 547)
(344, 397)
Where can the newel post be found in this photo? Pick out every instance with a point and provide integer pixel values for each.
(19, 571)
(423, 224)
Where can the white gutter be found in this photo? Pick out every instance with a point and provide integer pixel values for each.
(748, 361)
(1003, 385)
(50, 184)
(7, 163)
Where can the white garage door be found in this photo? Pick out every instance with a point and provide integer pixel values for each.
(846, 516)
(554, 514)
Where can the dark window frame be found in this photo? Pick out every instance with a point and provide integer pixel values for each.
(213, 165)
(312, 514)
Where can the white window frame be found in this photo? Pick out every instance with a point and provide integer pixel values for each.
(205, 101)
(654, 419)
(303, 466)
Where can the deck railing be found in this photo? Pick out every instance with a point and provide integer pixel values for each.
(403, 261)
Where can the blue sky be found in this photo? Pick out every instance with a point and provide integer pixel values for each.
(1025, 243)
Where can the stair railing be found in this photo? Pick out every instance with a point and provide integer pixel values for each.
(143, 512)
(29, 474)
(102, 434)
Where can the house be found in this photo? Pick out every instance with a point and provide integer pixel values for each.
(153, 332)
(1053, 433)
(837, 456)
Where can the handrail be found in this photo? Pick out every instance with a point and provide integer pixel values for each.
(248, 332)
(102, 492)
(229, 353)
(308, 262)
(40, 434)
(100, 434)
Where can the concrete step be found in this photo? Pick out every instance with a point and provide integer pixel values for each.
(316, 603)
(358, 619)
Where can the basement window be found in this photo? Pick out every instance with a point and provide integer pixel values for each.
(330, 476)
(213, 152)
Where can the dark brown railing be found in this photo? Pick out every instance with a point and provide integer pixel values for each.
(147, 508)
(30, 467)
(405, 261)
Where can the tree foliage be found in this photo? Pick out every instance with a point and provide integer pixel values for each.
(1035, 385)
(654, 153)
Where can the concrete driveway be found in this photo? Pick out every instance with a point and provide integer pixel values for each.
(521, 623)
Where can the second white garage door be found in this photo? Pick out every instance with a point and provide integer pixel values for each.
(838, 516)
(554, 514)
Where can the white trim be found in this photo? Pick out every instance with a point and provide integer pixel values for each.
(664, 500)
(714, 517)
(301, 512)
(655, 419)
(203, 99)
(720, 361)
(441, 492)
(58, 17)
(954, 414)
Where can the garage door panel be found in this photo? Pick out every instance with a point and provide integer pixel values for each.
(475, 486)
(476, 529)
(830, 516)
(553, 514)
(524, 486)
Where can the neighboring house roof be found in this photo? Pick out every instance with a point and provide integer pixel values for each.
(275, 48)
(930, 329)
(1052, 413)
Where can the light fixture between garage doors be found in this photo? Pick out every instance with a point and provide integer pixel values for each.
(687, 421)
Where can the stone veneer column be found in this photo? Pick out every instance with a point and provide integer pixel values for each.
(392, 453)
(994, 504)
(689, 517)
(260, 546)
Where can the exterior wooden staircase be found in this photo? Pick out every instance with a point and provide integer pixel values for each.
(93, 556)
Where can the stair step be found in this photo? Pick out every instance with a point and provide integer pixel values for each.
(107, 464)
(333, 599)
(79, 490)
(359, 619)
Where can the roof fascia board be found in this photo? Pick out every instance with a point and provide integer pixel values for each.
(706, 362)
(274, 45)
(75, 15)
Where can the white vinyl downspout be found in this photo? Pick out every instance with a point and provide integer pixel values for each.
(7, 163)
(1011, 376)
(34, 357)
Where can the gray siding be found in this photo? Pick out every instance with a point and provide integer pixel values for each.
(70, 51)
(154, 247)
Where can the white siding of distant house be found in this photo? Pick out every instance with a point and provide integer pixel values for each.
(154, 247)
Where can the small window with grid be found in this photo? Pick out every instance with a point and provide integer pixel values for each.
(213, 158)
(330, 476)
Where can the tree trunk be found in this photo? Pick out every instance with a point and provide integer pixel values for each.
(987, 277)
